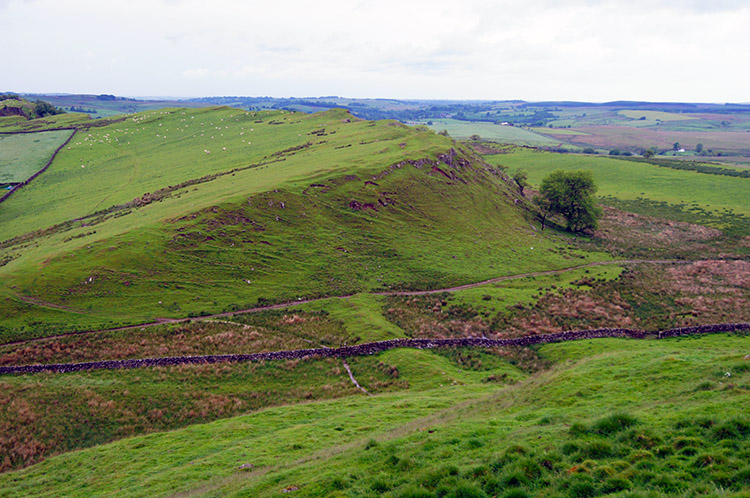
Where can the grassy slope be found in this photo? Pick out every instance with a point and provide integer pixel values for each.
(717, 196)
(14, 123)
(265, 224)
(455, 436)
(23, 155)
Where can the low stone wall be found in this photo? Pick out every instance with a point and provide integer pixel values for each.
(374, 348)
(46, 165)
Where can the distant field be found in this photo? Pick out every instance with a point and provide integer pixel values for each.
(631, 181)
(46, 123)
(24, 154)
(556, 131)
(491, 131)
(655, 115)
(611, 137)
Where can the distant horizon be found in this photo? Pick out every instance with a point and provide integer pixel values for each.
(330, 96)
(584, 50)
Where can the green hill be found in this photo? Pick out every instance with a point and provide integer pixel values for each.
(182, 212)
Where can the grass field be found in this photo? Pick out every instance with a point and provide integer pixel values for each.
(548, 433)
(274, 200)
(23, 155)
(11, 124)
(719, 201)
(639, 139)
(655, 115)
(490, 131)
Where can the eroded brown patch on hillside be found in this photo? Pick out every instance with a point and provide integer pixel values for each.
(626, 233)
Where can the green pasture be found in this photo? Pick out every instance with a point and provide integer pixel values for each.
(11, 124)
(490, 131)
(24, 154)
(714, 198)
(655, 115)
(279, 228)
(661, 417)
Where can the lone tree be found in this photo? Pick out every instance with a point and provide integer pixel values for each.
(571, 194)
(522, 179)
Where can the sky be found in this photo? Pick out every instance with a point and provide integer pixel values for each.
(586, 50)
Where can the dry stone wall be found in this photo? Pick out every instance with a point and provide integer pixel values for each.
(374, 348)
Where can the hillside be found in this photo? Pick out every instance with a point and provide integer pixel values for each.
(185, 212)
(580, 423)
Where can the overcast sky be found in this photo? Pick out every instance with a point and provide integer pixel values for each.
(658, 50)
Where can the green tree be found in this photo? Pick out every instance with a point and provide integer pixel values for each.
(571, 194)
(522, 179)
(699, 147)
(676, 146)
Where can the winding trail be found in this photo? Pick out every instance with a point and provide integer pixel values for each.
(290, 304)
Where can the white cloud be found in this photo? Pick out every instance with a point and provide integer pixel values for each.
(537, 49)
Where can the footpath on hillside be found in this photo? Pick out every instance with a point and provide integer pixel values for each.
(163, 321)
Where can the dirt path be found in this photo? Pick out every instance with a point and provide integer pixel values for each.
(162, 321)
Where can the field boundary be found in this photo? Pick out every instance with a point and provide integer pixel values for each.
(374, 348)
(44, 168)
